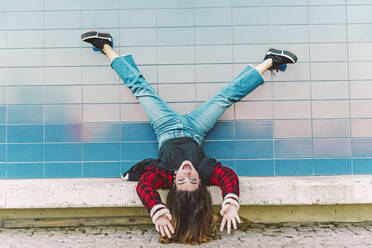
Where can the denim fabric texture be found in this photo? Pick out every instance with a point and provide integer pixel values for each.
(169, 124)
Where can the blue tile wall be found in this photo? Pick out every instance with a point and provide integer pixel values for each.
(2, 133)
(25, 114)
(2, 171)
(65, 113)
(63, 152)
(362, 166)
(137, 132)
(101, 151)
(228, 163)
(219, 149)
(106, 169)
(254, 129)
(293, 148)
(361, 147)
(125, 166)
(25, 134)
(62, 170)
(2, 153)
(24, 170)
(254, 149)
(255, 167)
(294, 167)
(222, 131)
(332, 166)
(2, 114)
(139, 151)
(63, 133)
(25, 152)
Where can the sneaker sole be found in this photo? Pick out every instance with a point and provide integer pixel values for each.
(95, 34)
(289, 55)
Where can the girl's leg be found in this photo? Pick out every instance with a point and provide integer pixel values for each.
(160, 115)
(203, 118)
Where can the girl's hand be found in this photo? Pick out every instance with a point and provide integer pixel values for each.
(163, 225)
(230, 215)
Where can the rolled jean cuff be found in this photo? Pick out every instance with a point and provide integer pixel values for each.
(259, 74)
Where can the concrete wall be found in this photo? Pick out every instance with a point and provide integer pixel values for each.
(64, 113)
(111, 201)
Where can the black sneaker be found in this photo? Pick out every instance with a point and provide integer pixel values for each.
(97, 39)
(280, 58)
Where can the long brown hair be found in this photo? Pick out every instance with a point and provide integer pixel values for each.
(192, 216)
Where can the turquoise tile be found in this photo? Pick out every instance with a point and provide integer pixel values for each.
(296, 167)
(2, 133)
(219, 149)
(139, 151)
(2, 152)
(63, 133)
(332, 166)
(25, 153)
(2, 170)
(105, 169)
(253, 149)
(63, 170)
(2, 114)
(228, 163)
(101, 151)
(125, 166)
(25, 170)
(254, 129)
(137, 132)
(25, 134)
(222, 131)
(255, 167)
(362, 166)
(64, 152)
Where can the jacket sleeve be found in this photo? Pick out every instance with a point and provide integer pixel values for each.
(152, 180)
(228, 182)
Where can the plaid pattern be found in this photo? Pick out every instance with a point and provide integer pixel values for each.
(155, 178)
(226, 179)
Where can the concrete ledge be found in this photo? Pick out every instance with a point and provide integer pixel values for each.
(102, 192)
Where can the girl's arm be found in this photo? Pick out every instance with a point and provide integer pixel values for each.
(228, 182)
(153, 179)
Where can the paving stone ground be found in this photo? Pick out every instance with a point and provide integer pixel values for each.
(286, 235)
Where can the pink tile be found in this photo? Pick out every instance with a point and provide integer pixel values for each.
(330, 109)
(254, 110)
(292, 129)
(292, 109)
(361, 108)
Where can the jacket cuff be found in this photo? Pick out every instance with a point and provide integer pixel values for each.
(231, 199)
(158, 210)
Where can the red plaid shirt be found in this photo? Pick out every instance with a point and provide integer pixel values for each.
(155, 178)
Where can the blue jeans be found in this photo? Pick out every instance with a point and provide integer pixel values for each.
(169, 124)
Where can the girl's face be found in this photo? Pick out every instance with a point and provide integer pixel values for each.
(187, 178)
